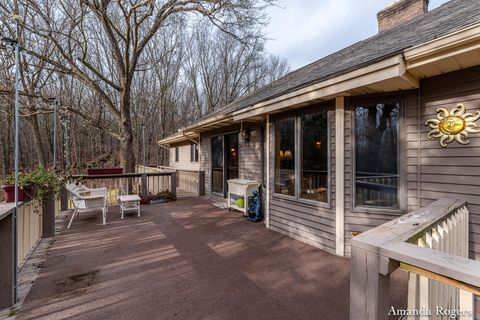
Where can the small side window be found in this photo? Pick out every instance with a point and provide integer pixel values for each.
(194, 152)
(177, 155)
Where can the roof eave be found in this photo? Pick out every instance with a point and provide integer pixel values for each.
(389, 74)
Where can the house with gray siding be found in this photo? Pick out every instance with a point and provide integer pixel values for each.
(341, 145)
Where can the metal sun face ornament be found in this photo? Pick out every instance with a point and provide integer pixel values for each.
(454, 125)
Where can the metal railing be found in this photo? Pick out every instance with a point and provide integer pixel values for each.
(432, 244)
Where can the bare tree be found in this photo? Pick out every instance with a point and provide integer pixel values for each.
(102, 43)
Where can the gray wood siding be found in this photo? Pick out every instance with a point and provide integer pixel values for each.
(431, 172)
(306, 222)
(454, 171)
(250, 162)
(206, 161)
(184, 162)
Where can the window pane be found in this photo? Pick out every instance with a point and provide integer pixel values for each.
(285, 156)
(217, 164)
(376, 149)
(176, 154)
(314, 171)
(231, 145)
(194, 152)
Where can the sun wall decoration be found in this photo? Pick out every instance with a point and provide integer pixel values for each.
(455, 125)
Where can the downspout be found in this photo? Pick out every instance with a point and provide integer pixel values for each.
(262, 154)
(164, 147)
(267, 158)
(419, 141)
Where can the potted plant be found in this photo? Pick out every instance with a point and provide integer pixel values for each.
(24, 187)
(46, 185)
(161, 197)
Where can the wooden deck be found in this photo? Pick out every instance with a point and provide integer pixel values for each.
(188, 260)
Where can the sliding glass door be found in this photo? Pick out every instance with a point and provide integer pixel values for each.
(231, 148)
(224, 161)
(217, 164)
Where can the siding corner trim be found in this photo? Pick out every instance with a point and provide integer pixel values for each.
(340, 175)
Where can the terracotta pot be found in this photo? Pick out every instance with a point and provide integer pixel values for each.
(101, 171)
(23, 193)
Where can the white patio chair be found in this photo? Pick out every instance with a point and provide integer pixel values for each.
(87, 199)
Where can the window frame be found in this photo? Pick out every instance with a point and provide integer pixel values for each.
(297, 115)
(274, 140)
(381, 99)
(194, 152)
(224, 160)
(220, 194)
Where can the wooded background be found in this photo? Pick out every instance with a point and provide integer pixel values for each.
(113, 66)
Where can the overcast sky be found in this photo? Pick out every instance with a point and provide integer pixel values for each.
(303, 31)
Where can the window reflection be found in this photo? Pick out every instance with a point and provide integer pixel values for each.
(376, 155)
(285, 156)
(314, 171)
(217, 164)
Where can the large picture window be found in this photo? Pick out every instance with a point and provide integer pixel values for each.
(301, 155)
(285, 156)
(376, 155)
(314, 163)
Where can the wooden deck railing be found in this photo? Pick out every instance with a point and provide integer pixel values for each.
(131, 183)
(16, 248)
(451, 236)
(432, 244)
(189, 182)
(29, 230)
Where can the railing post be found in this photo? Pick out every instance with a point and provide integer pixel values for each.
(63, 199)
(48, 217)
(144, 185)
(369, 288)
(173, 183)
(201, 183)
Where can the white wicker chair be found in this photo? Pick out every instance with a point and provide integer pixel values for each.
(86, 199)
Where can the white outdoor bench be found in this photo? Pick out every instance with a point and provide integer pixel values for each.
(87, 199)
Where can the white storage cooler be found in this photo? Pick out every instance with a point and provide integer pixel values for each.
(241, 188)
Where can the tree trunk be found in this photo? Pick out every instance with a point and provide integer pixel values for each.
(37, 139)
(127, 157)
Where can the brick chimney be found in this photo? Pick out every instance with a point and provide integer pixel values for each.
(400, 12)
